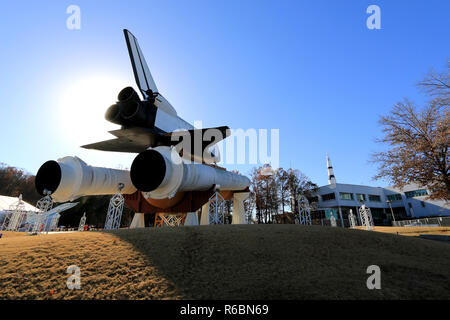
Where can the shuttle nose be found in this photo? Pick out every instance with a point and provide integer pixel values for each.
(148, 170)
(48, 177)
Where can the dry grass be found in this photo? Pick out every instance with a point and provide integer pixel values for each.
(10, 234)
(224, 262)
(34, 267)
(412, 231)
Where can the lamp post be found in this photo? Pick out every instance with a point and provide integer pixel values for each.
(390, 206)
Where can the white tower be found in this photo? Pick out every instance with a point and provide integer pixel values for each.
(331, 178)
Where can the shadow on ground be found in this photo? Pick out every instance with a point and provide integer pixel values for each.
(292, 262)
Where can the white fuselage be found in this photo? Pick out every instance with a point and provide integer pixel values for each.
(168, 120)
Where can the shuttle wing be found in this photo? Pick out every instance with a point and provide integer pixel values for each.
(219, 134)
(136, 139)
(133, 140)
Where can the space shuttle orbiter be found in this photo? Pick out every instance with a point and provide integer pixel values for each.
(162, 177)
(152, 121)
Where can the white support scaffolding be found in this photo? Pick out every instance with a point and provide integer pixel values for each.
(46, 203)
(17, 215)
(115, 209)
(227, 209)
(366, 217)
(31, 216)
(40, 220)
(39, 223)
(54, 222)
(304, 211)
(6, 220)
(82, 222)
(216, 212)
(352, 219)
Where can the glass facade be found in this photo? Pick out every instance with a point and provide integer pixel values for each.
(394, 197)
(328, 196)
(416, 193)
(360, 197)
(374, 198)
(345, 196)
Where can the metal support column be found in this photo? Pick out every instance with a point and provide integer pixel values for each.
(115, 209)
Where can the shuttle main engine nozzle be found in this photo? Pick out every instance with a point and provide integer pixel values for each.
(160, 172)
(130, 110)
(70, 178)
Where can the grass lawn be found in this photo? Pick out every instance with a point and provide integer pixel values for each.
(224, 262)
(412, 231)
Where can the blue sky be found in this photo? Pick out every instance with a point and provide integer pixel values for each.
(311, 69)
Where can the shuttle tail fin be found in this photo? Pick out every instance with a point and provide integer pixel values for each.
(141, 71)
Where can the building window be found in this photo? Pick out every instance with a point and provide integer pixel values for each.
(411, 211)
(360, 197)
(328, 196)
(374, 198)
(345, 196)
(416, 193)
(394, 197)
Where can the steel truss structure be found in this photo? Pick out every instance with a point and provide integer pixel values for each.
(45, 204)
(16, 216)
(115, 209)
(304, 211)
(82, 222)
(41, 219)
(169, 220)
(6, 220)
(216, 211)
(227, 209)
(366, 217)
(54, 222)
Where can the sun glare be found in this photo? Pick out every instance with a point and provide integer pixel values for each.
(82, 108)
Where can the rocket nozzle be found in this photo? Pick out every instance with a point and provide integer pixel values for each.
(48, 177)
(148, 170)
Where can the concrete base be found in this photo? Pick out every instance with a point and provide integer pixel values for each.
(204, 220)
(191, 219)
(138, 221)
(238, 207)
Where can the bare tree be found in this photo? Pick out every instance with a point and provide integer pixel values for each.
(418, 140)
(282, 177)
(437, 84)
(270, 193)
(15, 181)
(257, 194)
(299, 184)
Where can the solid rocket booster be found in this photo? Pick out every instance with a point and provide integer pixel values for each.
(70, 178)
(160, 172)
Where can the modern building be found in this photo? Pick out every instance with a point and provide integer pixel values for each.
(384, 203)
